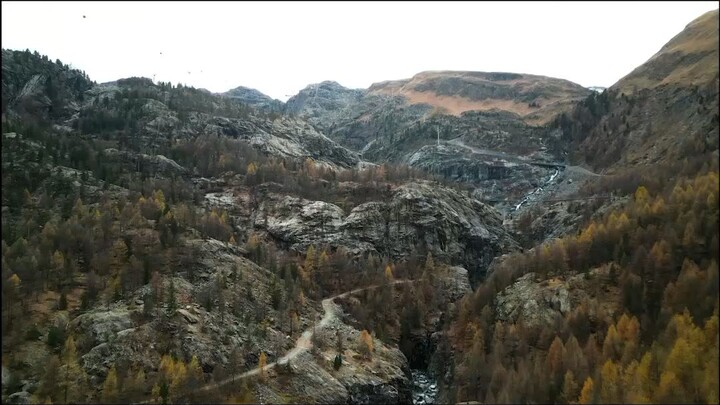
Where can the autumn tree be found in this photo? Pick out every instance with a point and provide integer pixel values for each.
(366, 344)
(262, 363)
(73, 377)
(388, 274)
(587, 394)
(569, 388)
(110, 390)
(194, 377)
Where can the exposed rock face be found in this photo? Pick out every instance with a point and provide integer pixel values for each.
(385, 126)
(157, 164)
(37, 85)
(448, 224)
(535, 302)
(22, 397)
(323, 104)
(385, 393)
(385, 379)
(284, 137)
(454, 283)
(195, 112)
(254, 98)
(122, 334)
(496, 178)
(99, 327)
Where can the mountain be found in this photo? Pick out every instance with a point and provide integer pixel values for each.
(254, 98)
(563, 320)
(165, 236)
(663, 112)
(435, 239)
(438, 121)
(689, 59)
(537, 99)
(34, 85)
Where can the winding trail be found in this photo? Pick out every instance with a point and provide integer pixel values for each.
(582, 170)
(488, 152)
(304, 342)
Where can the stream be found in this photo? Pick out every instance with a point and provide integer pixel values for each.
(424, 390)
(539, 189)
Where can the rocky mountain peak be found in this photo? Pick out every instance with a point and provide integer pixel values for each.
(254, 98)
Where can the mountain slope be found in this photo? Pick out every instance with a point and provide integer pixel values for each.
(431, 120)
(254, 98)
(582, 318)
(535, 98)
(689, 59)
(665, 111)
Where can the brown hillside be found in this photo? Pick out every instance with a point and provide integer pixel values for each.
(535, 98)
(690, 58)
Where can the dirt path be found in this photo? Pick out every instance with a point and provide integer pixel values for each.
(582, 170)
(304, 342)
(488, 152)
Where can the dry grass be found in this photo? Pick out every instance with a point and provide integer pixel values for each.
(699, 39)
(551, 102)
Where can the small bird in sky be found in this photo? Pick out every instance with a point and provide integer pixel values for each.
(84, 16)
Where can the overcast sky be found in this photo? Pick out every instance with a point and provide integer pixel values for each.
(279, 48)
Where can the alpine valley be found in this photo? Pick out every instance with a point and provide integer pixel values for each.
(453, 237)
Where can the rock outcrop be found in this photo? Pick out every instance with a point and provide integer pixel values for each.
(153, 164)
(254, 98)
(194, 112)
(533, 301)
(448, 224)
(324, 105)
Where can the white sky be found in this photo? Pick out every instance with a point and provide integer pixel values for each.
(279, 48)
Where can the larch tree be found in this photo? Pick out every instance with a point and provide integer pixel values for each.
(389, 274)
(610, 383)
(366, 346)
(262, 363)
(110, 388)
(587, 393)
(569, 388)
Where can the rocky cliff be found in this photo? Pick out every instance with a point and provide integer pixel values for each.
(254, 98)
(451, 226)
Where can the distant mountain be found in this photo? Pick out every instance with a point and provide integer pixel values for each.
(597, 89)
(254, 98)
(535, 98)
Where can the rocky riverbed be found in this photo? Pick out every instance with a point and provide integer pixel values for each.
(424, 390)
